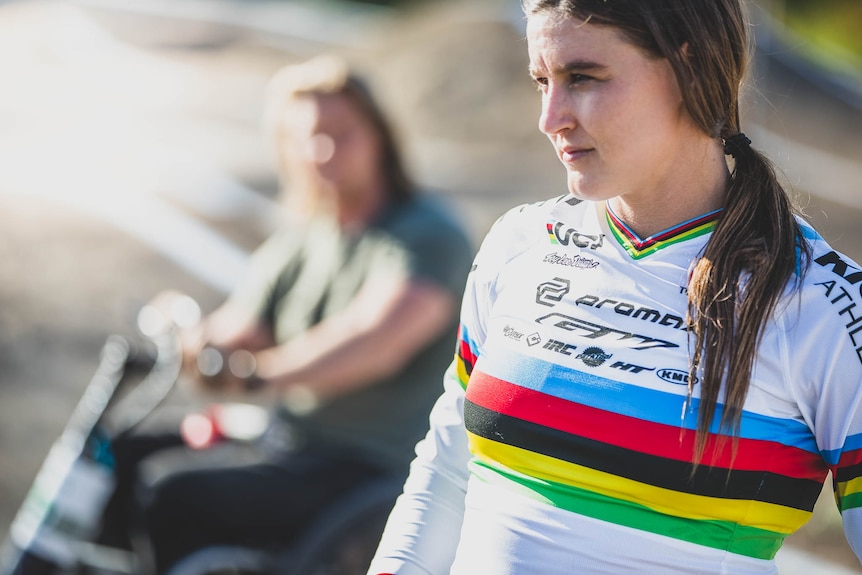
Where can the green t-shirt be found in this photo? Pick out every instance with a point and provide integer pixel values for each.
(304, 274)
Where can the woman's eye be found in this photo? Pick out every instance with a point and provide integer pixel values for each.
(540, 83)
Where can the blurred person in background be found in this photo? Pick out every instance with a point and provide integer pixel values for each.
(658, 370)
(344, 321)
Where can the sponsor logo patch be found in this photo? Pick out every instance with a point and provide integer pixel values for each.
(534, 339)
(630, 367)
(677, 376)
(551, 292)
(594, 356)
(843, 299)
(574, 261)
(559, 346)
(512, 333)
(595, 331)
(561, 234)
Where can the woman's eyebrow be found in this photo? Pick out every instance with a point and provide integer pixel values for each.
(574, 66)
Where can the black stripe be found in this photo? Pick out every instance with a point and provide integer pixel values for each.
(468, 365)
(848, 473)
(650, 469)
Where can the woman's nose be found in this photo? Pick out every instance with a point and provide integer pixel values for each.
(557, 113)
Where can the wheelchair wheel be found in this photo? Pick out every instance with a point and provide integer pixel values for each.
(226, 560)
(343, 540)
(348, 553)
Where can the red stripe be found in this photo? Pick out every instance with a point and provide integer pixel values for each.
(850, 458)
(467, 354)
(684, 228)
(622, 229)
(640, 435)
(641, 244)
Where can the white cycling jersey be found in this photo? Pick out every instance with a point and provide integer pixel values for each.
(563, 440)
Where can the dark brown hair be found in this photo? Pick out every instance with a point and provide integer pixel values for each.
(757, 245)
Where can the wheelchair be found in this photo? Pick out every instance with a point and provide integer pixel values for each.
(53, 531)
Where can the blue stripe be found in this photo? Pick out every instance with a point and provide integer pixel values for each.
(622, 224)
(631, 400)
(808, 232)
(465, 336)
(851, 443)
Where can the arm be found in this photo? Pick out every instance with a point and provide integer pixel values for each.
(424, 527)
(825, 375)
(387, 323)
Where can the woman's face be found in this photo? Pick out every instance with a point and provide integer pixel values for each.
(614, 115)
(330, 146)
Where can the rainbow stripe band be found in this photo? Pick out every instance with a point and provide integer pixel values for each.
(670, 474)
(635, 469)
(638, 248)
(645, 437)
(725, 535)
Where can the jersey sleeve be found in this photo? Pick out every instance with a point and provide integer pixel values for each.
(423, 530)
(825, 351)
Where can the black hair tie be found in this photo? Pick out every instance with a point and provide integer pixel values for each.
(736, 144)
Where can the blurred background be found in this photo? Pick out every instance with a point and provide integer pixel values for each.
(131, 160)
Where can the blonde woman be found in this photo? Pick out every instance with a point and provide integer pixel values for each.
(344, 320)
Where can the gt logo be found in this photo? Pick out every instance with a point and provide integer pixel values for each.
(551, 292)
(590, 330)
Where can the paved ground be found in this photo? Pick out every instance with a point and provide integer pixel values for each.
(131, 168)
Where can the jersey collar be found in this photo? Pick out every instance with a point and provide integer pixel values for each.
(639, 248)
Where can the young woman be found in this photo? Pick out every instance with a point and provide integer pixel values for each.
(657, 371)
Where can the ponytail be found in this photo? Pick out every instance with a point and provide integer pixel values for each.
(736, 284)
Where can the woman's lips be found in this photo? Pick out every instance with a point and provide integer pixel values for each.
(569, 154)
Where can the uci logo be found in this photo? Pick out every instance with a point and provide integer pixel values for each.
(564, 237)
(676, 376)
(551, 292)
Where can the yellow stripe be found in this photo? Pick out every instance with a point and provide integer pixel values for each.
(636, 253)
(461, 371)
(850, 487)
(757, 514)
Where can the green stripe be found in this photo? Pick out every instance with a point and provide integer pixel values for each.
(850, 501)
(636, 255)
(724, 535)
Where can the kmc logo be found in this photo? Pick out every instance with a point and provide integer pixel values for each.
(676, 376)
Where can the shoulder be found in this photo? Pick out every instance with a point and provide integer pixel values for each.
(426, 237)
(828, 265)
(819, 331)
(522, 226)
(424, 217)
(828, 309)
(526, 215)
